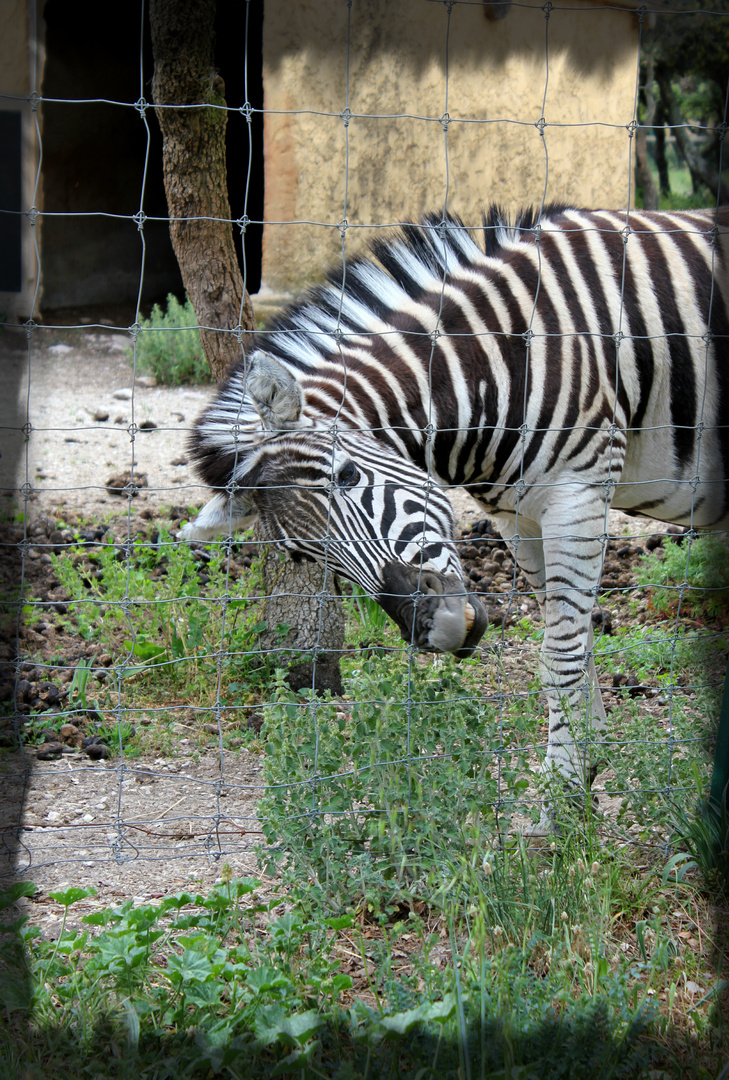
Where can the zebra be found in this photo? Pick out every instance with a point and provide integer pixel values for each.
(570, 362)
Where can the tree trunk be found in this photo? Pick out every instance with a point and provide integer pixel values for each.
(196, 184)
(664, 177)
(643, 175)
(304, 623)
(195, 173)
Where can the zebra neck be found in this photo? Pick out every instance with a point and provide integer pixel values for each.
(444, 426)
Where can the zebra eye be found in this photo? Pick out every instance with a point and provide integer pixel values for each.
(348, 474)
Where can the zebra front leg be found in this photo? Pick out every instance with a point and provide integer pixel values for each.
(567, 651)
(573, 560)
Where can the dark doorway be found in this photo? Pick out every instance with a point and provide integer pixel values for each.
(94, 149)
(10, 200)
(244, 142)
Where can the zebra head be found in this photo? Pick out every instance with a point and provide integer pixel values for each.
(342, 499)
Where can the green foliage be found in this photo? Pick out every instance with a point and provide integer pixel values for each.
(696, 573)
(372, 618)
(693, 43)
(149, 606)
(705, 837)
(193, 986)
(168, 345)
(363, 798)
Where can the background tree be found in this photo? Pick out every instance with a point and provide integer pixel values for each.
(189, 96)
(195, 173)
(689, 51)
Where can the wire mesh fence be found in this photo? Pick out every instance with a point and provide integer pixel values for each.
(160, 732)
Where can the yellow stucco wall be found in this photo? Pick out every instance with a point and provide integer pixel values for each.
(394, 159)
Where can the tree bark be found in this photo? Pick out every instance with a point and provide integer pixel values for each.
(195, 173)
(304, 623)
(643, 175)
(196, 184)
(661, 159)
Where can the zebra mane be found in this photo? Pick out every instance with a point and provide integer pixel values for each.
(358, 298)
(499, 231)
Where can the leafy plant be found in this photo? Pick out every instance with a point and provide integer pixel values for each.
(373, 619)
(168, 345)
(361, 798)
(161, 609)
(705, 836)
(193, 986)
(697, 575)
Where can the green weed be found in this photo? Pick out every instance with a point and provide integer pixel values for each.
(168, 345)
(697, 574)
(361, 797)
(212, 984)
(160, 610)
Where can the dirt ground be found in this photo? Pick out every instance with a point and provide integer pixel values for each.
(129, 828)
(132, 828)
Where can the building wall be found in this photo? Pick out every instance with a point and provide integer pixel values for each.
(396, 161)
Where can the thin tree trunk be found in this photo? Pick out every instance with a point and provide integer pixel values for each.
(304, 623)
(196, 184)
(664, 178)
(643, 175)
(195, 173)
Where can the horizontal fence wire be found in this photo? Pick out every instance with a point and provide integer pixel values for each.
(151, 731)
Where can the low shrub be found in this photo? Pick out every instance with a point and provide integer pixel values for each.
(169, 347)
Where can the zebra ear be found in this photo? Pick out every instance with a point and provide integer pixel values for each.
(275, 393)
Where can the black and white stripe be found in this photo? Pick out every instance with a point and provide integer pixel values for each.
(572, 361)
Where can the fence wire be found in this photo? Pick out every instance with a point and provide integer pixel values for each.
(138, 757)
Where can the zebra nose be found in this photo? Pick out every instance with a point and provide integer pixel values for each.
(432, 610)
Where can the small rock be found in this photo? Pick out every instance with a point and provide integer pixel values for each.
(118, 342)
(145, 381)
(636, 688)
(100, 415)
(147, 425)
(24, 689)
(60, 350)
(120, 419)
(179, 461)
(693, 988)
(125, 394)
(50, 692)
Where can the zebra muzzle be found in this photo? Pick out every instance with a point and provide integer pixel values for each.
(432, 610)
